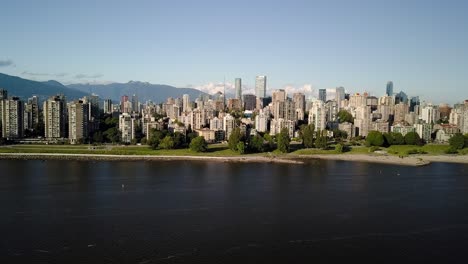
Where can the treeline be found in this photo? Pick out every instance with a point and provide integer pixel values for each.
(378, 139)
(457, 142)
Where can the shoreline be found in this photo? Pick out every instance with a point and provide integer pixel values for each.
(415, 160)
(110, 157)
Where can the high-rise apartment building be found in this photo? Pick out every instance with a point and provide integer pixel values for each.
(55, 117)
(279, 96)
(299, 101)
(260, 86)
(127, 127)
(108, 106)
(31, 113)
(186, 103)
(12, 111)
(78, 121)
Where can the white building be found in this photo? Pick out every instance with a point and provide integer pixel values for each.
(127, 127)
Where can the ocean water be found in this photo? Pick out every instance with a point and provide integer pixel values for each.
(217, 212)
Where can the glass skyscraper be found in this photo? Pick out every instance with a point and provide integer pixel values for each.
(390, 88)
(238, 84)
(260, 86)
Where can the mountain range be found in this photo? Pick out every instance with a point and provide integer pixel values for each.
(157, 93)
(24, 88)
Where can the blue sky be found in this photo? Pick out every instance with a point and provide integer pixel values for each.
(422, 46)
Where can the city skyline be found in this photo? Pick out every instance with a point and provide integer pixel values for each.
(419, 45)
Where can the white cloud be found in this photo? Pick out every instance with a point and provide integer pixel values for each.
(215, 87)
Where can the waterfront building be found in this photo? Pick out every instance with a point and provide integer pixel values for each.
(55, 117)
(78, 121)
(12, 118)
(31, 113)
(127, 127)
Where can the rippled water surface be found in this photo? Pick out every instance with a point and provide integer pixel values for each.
(206, 212)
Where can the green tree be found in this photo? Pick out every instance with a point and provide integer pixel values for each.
(321, 141)
(155, 138)
(167, 143)
(375, 138)
(306, 133)
(345, 116)
(234, 139)
(271, 141)
(241, 147)
(466, 140)
(179, 140)
(339, 148)
(412, 138)
(98, 137)
(398, 138)
(256, 144)
(457, 141)
(198, 144)
(283, 141)
(112, 135)
(389, 139)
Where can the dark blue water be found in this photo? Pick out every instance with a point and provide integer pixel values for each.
(206, 212)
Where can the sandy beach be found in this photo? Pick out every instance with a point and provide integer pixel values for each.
(105, 157)
(416, 160)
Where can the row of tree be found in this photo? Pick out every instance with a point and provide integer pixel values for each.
(458, 141)
(378, 139)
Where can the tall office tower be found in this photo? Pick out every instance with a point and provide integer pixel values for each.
(299, 101)
(414, 101)
(78, 121)
(260, 86)
(186, 103)
(123, 101)
(249, 101)
(279, 96)
(389, 90)
(135, 104)
(31, 113)
(323, 95)
(339, 96)
(238, 85)
(108, 106)
(401, 97)
(357, 100)
(55, 117)
(12, 118)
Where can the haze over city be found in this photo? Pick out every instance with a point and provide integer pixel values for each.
(300, 45)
